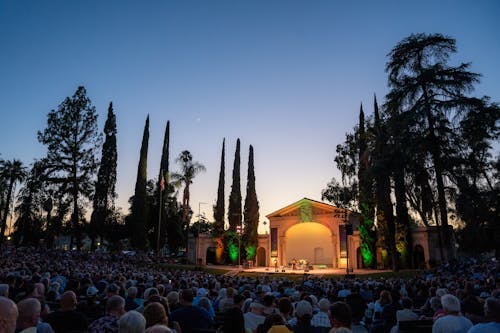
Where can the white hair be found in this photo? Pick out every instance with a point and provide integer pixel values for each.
(450, 303)
(132, 322)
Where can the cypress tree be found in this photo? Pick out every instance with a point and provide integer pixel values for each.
(365, 202)
(139, 214)
(234, 212)
(163, 174)
(251, 218)
(105, 193)
(220, 205)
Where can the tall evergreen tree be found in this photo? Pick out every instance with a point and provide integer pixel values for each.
(219, 208)
(164, 187)
(105, 193)
(139, 214)
(28, 226)
(432, 94)
(366, 204)
(234, 211)
(381, 169)
(72, 141)
(251, 217)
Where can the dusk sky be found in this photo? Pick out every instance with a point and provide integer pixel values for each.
(287, 77)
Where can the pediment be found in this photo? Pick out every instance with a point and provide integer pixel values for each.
(305, 208)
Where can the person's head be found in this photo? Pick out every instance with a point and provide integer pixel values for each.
(158, 329)
(68, 301)
(29, 312)
(233, 321)
(155, 314)
(324, 305)
(172, 298)
(132, 322)
(132, 292)
(492, 309)
(187, 297)
(451, 304)
(113, 289)
(8, 315)
(204, 303)
(115, 306)
(341, 315)
(238, 300)
(385, 297)
(285, 306)
(303, 311)
(435, 303)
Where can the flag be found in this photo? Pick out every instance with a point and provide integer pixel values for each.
(162, 183)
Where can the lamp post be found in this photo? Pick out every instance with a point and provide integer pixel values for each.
(199, 230)
(239, 230)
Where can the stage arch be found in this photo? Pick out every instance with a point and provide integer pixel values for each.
(311, 241)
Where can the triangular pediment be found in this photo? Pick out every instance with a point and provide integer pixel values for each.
(305, 208)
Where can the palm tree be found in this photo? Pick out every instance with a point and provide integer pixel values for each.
(189, 170)
(13, 172)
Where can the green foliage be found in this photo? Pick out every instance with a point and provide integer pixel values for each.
(139, 214)
(11, 172)
(72, 142)
(219, 207)
(251, 217)
(105, 193)
(234, 211)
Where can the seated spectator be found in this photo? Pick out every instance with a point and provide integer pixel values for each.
(115, 308)
(29, 314)
(322, 319)
(189, 316)
(132, 322)
(407, 312)
(234, 322)
(304, 314)
(340, 316)
(67, 319)
(8, 315)
(452, 320)
(155, 315)
(4, 290)
(130, 302)
(254, 317)
(492, 317)
(285, 308)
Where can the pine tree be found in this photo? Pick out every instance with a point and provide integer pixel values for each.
(105, 194)
(251, 217)
(72, 141)
(366, 203)
(139, 214)
(234, 211)
(219, 207)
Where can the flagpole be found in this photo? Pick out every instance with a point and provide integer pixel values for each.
(160, 206)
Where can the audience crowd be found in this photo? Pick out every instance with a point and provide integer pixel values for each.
(67, 292)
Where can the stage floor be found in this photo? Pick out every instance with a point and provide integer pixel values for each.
(322, 271)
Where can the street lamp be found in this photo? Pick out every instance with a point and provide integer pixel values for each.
(239, 230)
(199, 227)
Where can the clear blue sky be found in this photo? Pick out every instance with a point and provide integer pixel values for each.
(285, 76)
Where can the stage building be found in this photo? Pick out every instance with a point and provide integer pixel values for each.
(312, 233)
